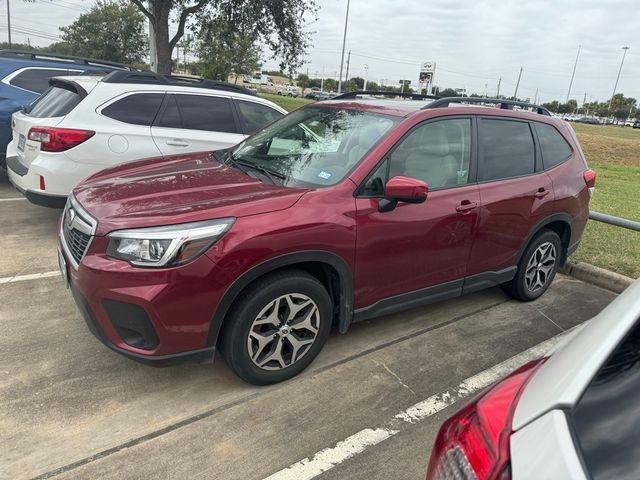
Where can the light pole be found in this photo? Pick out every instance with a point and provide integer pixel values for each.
(573, 73)
(366, 75)
(9, 23)
(618, 77)
(344, 41)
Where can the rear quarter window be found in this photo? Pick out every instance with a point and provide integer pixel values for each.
(137, 109)
(555, 148)
(606, 420)
(58, 101)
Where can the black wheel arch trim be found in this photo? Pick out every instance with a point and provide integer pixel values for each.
(556, 217)
(345, 293)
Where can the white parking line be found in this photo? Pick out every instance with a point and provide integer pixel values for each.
(33, 276)
(328, 458)
(12, 199)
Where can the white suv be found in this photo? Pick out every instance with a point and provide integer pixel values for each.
(83, 124)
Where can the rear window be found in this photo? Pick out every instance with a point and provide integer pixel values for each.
(36, 79)
(137, 109)
(58, 101)
(506, 148)
(555, 148)
(254, 116)
(607, 418)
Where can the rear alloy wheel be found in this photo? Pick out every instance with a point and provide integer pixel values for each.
(537, 267)
(277, 327)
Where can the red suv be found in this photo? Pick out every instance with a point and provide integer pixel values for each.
(324, 217)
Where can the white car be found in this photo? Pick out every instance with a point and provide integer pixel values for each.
(572, 415)
(83, 124)
(288, 90)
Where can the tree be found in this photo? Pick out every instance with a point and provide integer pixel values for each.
(111, 30)
(279, 24)
(330, 84)
(303, 82)
(223, 51)
(447, 92)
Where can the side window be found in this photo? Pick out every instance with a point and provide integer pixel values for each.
(254, 116)
(138, 109)
(170, 117)
(437, 153)
(374, 186)
(607, 416)
(506, 149)
(202, 112)
(555, 148)
(36, 79)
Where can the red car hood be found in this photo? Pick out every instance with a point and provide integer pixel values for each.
(176, 189)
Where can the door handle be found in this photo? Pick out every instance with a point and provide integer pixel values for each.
(176, 142)
(541, 193)
(466, 206)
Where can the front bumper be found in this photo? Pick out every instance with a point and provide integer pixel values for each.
(153, 316)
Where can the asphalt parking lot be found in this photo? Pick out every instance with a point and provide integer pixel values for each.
(367, 408)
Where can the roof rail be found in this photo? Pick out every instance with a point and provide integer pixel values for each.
(412, 96)
(53, 57)
(182, 81)
(503, 103)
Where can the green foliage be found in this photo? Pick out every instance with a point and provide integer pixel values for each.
(447, 92)
(223, 50)
(303, 82)
(330, 85)
(111, 30)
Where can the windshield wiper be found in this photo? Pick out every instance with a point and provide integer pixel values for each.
(267, 172)
(228, 159)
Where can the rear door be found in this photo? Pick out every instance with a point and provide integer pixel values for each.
(515, 192)
(196, 122)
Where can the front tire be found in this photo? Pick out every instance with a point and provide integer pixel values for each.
(537, 267)
(277, 327)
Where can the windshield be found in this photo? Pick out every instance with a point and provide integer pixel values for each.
(314, 146)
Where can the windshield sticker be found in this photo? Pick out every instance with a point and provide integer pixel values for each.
(324, 175)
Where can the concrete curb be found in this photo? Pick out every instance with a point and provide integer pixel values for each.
(596, 276)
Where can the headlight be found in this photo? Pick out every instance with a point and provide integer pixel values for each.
(166, 246)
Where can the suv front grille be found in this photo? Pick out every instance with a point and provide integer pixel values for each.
(78, 228)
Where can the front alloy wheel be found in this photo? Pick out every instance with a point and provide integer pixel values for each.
(283, 332)
(540, 267)
(276, 327)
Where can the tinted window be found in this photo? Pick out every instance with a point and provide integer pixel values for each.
(171, 117)
(200, 112)
(56, 102)
(506, 148)
(138, 109)
(607, 418)
(437, 153)
(555, 148)
(254, 116)
(36, 79)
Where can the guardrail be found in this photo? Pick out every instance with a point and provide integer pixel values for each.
(613, 220)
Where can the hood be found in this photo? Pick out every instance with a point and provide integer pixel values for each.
(176, 189)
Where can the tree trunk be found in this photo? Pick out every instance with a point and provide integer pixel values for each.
(161, 28)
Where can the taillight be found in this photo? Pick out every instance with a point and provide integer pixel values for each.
(590, 179)
(474, 443)
(58, 139)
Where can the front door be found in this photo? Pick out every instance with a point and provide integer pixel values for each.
(416, 246)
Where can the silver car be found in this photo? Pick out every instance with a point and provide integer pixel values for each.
(574, 414)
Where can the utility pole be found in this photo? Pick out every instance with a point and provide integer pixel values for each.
(498, 92)
(573, 74)
(617, 78)
(535, 98)
(346, 77)
(344, 41)
(9, 23)
(515, 94)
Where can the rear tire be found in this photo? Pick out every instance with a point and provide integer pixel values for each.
(276, 327)
(537, 267)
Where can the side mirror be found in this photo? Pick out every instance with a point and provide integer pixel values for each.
(406, 189)
(402, 189)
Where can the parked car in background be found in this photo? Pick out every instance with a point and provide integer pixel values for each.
(84, 124)
(571, 415)
(24, 75)
(322, 219)
(588, 120)
(287, 90)
(636, 124)
(317, 96)
(628, 122)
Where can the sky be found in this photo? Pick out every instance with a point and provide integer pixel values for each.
(473, 43)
